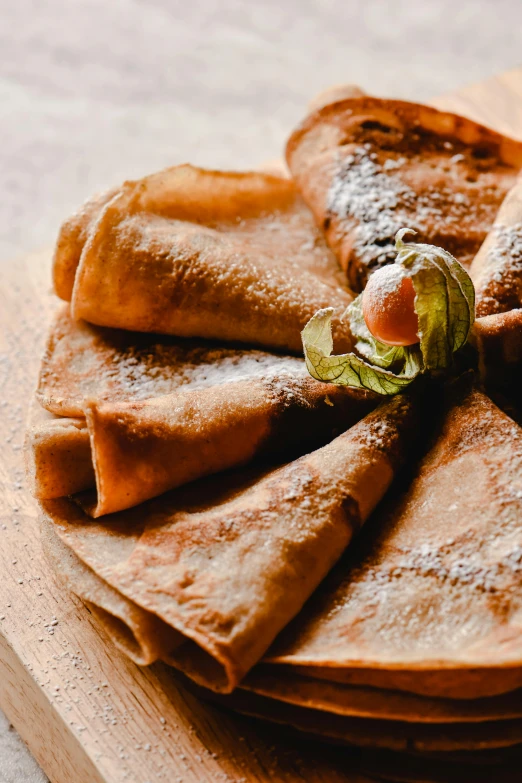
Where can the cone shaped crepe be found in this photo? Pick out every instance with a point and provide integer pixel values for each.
(135, 450)
(497, 268)
(199, 253)
(229, 566)
(435, 588)
(367, 167)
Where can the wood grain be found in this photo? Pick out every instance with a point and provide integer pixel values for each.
(88, 714)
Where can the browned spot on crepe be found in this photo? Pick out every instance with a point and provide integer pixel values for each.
(367, 167)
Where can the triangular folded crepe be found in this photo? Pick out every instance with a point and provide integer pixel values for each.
(367, 167)
(199, 253)
(496, 270)
(229, 561)
(133, 451)
(435, 586)
(84, 362)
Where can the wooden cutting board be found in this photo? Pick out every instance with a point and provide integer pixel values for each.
(87, 713)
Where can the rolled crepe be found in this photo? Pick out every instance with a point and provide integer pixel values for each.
(496, 270)
(382, 704)
(135, 451)
(367, 167)
(229, 563)
(434, 587)
(199, 253)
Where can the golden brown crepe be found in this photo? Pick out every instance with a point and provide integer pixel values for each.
(366, 732)
(228, 562)
(199, 253)
(72, 237)
(142, 636)
(451, 684)
(136, 450)
(496, 270)
(367, 167)
(84, 362)
(57, 454)
(367, 702)
(435, 585)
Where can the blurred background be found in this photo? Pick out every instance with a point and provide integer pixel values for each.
(96, 91)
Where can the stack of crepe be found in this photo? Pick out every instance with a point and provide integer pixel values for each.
(343, 563)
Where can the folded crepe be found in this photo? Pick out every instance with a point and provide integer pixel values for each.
(366, 702)
(367, 167)
(84, 362)
(133, 451)
(459, 684)
(227, 562)
(57, 454)
(200, 253)
(138, 633)
(431, 599)
(496, 270)
(367, 732)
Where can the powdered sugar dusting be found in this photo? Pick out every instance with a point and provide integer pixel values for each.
(373, 200)
(139, 375)
(388, 280)
(368, 193)
(501, 289)
(88, 362)
(439, 576)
